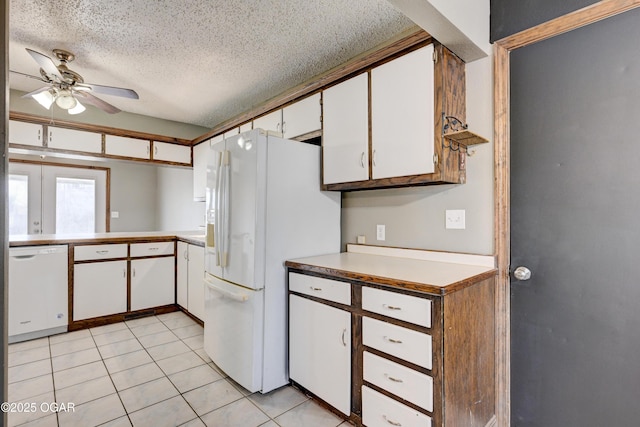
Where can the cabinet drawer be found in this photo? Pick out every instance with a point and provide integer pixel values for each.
(409, 345)
(328, 289)
(379, 410)
(151, 249)
(400, 380)
(91, 252)
(399, 306)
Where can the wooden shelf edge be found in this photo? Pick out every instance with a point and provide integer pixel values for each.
(466, 138)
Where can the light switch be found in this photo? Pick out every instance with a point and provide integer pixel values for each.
(380, 232)
(455, 219)
(115, 214)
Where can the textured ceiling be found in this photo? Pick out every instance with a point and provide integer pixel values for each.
(198, 61)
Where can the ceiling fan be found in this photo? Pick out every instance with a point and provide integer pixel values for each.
(66, 87)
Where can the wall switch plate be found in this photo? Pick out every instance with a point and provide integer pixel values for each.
(361, 240)
(115, 214)
(380, 232)
(455, 219)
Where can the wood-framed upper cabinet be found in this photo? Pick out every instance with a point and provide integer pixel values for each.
(345, 131)
(271, 121)
(172, 153)
(74, 140)
(302, 117)
(123, 146)
(24, 133)
(402, 118)
(410, 97)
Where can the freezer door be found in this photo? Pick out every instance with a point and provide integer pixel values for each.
(233, 336)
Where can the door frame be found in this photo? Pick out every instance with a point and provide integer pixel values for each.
(502, 48)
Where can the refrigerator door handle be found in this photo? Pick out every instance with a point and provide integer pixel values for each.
(236, 296)
(218, 215)
(226, 194)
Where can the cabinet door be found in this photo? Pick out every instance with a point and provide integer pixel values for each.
(174, 153)
(200, 153)
(152, 282)
(320, 350)
(302, 117)
(271, 121)
(196, 281)
(74, 140)
(345, 131)
(25, 133)
(402, 115)
(99, 289)
(127, 147)
(182, 275)
(245, 127)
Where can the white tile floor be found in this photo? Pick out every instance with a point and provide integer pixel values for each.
(148, 372)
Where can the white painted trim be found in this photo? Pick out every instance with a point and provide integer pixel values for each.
(425, 255)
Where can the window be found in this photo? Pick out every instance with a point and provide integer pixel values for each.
(57, 199)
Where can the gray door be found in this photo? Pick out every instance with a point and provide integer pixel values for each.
(575, 223)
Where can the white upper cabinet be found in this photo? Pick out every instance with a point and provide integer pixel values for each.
(232, 132)
(200, 153)
(127, 147)
(173, 153)
(25, 133)
(402, 115)
(302, 117)
(245, 127)
(345, 140)
(74, 140)
(271, 121)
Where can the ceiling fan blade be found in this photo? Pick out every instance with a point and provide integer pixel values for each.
(35, 92)
(45, 63)
(28, 76)
(96, 102)
(111, 90)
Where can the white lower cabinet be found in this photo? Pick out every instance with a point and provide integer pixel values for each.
(320, 350)
(190, 279)
(99, 289)
(196, 281)
(152, 282)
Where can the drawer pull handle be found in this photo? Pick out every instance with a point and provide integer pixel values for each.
(103, 252)
(391, 307)
(391, 340)
(315, 289)
(395, 380)
(153, 249)
(344, 331)
(393, 423)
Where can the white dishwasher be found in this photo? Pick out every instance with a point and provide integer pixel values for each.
(38, 291)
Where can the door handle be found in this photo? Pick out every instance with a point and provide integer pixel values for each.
(522, 273)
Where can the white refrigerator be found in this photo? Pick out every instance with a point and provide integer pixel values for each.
(264, 206)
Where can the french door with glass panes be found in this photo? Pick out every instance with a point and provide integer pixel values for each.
(49, 199)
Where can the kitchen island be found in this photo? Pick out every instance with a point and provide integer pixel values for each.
(110, 277)
(406, 335)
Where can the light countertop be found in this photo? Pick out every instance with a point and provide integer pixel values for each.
(439, 275)
(195, 237)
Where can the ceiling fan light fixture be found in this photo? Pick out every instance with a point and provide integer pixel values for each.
(66, 100)
(79, 108)
(45, 98)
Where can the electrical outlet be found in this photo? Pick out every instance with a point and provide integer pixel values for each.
(115, 214)
(380, 232)
(455, 219)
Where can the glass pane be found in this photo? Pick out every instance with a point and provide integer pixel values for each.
(75, 205)
(18, 204)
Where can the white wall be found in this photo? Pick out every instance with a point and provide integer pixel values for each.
(415, 217)
(176, 209)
